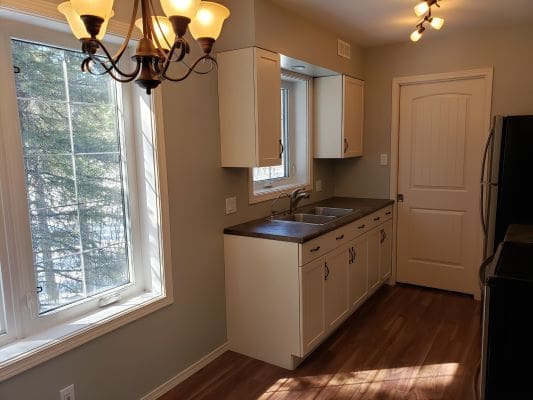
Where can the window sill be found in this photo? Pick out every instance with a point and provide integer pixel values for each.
(260, 196)
(21, 355)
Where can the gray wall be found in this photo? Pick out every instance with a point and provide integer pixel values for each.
(509, 51)
(133, 360)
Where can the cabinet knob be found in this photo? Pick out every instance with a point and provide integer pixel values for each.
(388, 213)
(345, 145)
(361, 227)
(383, 236)
(339, 237)
(315, 249)
(377, 218)
(326, 271)
(282, 149)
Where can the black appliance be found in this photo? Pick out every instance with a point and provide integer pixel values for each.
(507, 178)
(507, 343)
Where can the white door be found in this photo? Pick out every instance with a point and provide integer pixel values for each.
(442, 129)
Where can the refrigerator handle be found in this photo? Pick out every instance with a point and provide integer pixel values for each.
(482, 181)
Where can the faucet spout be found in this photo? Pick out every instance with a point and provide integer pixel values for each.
(297, 196)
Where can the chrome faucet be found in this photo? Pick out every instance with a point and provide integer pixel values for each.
(297, 196)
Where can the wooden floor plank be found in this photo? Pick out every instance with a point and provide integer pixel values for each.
(406, 342)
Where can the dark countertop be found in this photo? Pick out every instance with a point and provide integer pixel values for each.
(265, 228)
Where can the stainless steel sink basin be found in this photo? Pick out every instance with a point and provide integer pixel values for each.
(332, 212)
(307, 218)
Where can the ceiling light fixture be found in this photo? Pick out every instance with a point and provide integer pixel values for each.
(425, 8)
(162, 42)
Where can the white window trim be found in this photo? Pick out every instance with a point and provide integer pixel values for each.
(290, 183)
(20, 355)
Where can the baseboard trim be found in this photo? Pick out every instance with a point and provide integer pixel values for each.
(186, 373)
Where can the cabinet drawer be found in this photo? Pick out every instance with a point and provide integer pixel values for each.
(360, 226)
(343, 235)
(386, 213)
(317, 247)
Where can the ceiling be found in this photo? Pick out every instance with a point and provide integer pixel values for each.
(379, 22)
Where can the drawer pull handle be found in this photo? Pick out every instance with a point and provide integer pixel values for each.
(361, 227)
(326, 271)
(377, 218)
(388, 213)
(315, 249)
(340, 237)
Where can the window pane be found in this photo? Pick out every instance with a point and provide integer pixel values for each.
(74, 175)
(278, 171)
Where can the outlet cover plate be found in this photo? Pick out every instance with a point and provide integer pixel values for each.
(67, 393)
(231, 205)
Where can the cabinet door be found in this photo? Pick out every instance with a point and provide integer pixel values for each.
(385, 251)
(312, 320)
(374, 238)
(268, 107)
(353, 112)
(358, 270)
(336, 286)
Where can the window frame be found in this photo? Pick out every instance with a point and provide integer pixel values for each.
(301, 129)
(144, 153)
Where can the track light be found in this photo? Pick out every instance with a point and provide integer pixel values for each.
(436, 23)
(424, 9)
(417, 35)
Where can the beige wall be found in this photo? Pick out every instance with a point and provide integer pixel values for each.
(509, 51)
(283, 32)
(133, 360)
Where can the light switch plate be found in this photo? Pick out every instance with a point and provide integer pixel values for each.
(231, 205)
(384, 160)
(318, 185)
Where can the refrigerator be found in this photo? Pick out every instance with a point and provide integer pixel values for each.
(506, 178)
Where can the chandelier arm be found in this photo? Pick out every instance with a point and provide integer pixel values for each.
(118, 55)
(112, 61)
(191, 69)
(87, 66)
(152, 10)
(184, 50)
(212, 65)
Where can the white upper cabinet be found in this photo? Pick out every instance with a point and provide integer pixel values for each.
(339, 117)
(249, 91)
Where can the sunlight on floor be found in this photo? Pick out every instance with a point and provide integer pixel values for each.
(393, 381)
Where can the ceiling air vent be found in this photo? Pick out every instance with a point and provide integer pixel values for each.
(344, 49)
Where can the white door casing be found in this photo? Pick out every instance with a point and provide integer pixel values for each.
(440, 124)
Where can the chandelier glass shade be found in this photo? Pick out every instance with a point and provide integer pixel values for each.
(423, 9)
(162, 43)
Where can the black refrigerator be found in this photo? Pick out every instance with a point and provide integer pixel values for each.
(507, 178)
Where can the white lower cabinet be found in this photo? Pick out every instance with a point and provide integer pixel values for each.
(336, 303)
(283, 299)
(358, 271)
(385, 250)
(312, 304)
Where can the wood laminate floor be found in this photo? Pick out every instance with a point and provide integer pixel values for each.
(406, 342)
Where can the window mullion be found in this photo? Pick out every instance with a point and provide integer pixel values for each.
(74, 173)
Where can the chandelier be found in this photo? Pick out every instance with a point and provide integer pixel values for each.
(162, 43)
(424, 7)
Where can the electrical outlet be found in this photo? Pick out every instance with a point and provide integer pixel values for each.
(384, 160)
(67, 393)
(231, 205)
(318, 185)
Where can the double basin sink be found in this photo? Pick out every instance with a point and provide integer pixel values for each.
(316, 215)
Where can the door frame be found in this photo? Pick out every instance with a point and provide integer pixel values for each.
(485, 73)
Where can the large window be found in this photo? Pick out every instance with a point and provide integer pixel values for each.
(73, 159)
(295, 170)
(81, 200)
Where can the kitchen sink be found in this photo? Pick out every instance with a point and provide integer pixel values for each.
(332, 212)
(307, 218)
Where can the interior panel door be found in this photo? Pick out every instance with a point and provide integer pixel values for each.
(443, 127)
